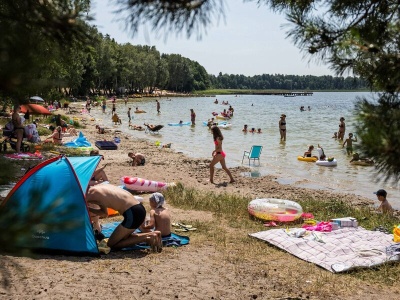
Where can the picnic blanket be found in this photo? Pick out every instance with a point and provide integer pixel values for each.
(337, 251)
(174, 240)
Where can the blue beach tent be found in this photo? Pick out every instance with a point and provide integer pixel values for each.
(52, 197)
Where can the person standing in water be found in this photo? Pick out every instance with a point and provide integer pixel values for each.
(218, 154)
(129, 115)
(158, 107)
(342, 129)
(282, 127)
(192, 116)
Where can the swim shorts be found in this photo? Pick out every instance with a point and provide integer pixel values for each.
(134, 216)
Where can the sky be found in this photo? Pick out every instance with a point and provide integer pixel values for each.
(250, 41)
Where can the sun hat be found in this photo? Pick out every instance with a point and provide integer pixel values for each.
(381, 193)
(158, 198)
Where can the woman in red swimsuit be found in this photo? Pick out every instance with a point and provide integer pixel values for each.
(218, 155)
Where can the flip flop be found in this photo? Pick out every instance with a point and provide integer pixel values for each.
(183, 229)
(183, 225)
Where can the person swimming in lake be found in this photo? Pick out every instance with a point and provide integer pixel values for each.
(357, 158)
(252, 130)
(259, 130)
(244, 128)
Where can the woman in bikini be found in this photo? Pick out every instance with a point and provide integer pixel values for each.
(282, 127)
(218, 154)
(18, 127)
(342, 129)
(56, 136)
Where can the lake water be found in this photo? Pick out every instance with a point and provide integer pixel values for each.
(278, 158)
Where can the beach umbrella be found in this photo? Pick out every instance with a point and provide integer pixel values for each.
(37, 98)
(34, 109)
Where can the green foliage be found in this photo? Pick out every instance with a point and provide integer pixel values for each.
(378, 126)
(173, 15)
(32, 32)
(286, 82)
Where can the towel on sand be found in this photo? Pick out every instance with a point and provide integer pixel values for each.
(337, 251)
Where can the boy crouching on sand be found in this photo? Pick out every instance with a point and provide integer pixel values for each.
(160, 218)
(137, 159)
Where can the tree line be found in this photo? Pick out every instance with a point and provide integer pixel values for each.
(287, 82)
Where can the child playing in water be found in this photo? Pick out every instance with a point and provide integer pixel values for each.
(335, 135)
(308, 153)
(349, 141)
(160, 218)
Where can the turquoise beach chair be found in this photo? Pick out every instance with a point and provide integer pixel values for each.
(254, 154)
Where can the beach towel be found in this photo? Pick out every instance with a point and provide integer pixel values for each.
(337, 251)
(174, 240)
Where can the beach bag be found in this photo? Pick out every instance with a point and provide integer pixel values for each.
(396, 234)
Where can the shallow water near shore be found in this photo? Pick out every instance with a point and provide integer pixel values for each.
(278, 158)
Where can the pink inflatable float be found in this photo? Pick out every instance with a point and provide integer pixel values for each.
(144, 185)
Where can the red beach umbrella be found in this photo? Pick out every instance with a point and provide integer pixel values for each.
(34, 109)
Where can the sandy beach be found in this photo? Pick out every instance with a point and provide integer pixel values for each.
(204, 269)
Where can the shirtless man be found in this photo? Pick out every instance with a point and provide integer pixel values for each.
(137, 159)
(349, 141)
(134, 213)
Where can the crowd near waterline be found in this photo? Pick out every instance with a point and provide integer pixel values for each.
(320, 123)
